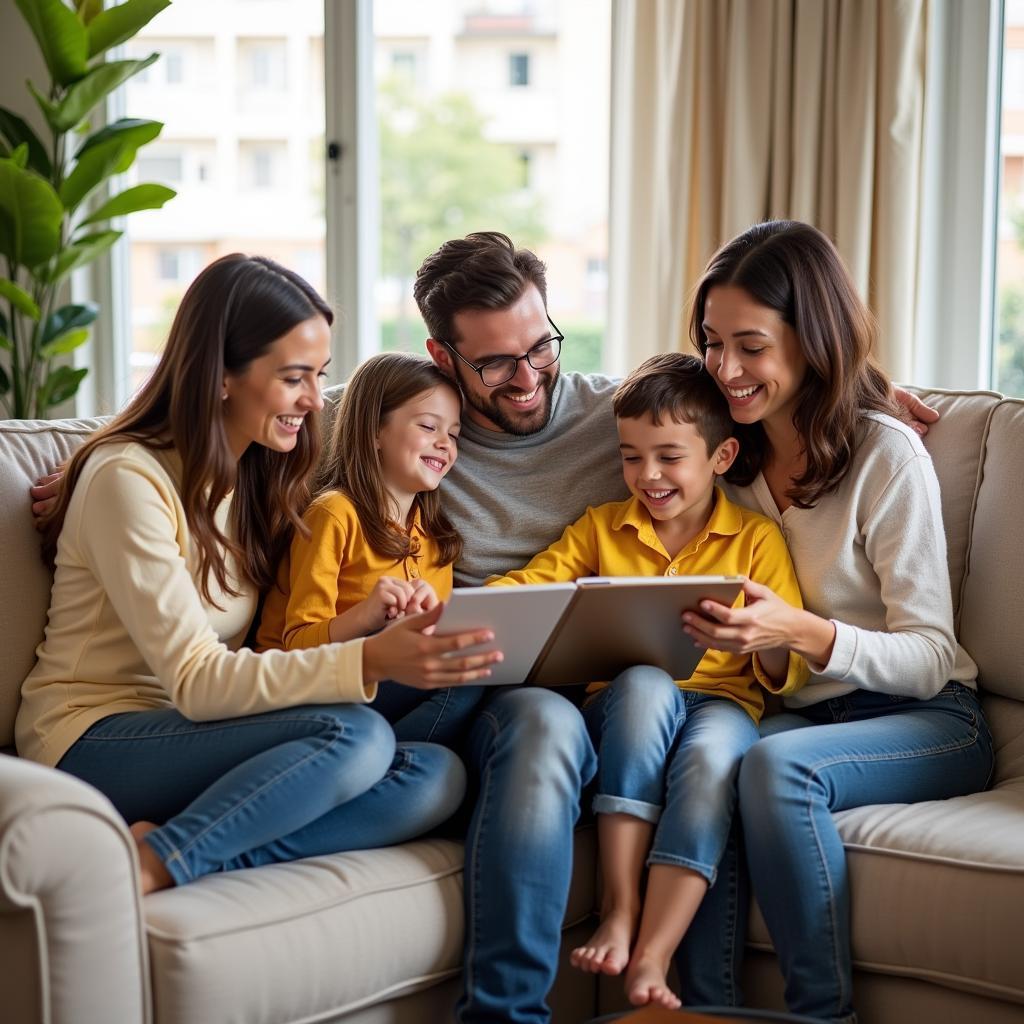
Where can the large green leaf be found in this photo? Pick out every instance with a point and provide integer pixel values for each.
(19, 156)
(95, 86)
(99, 162)
(6, 343)
(16, 131)
(82, 251)
(65, 343)
(120, 127)
(61, 37)
(59, 386)
(140, 197)
(116, 24)
(88, 9)
(49, 109)
(68, 318)
(30, 216)
(19, 299)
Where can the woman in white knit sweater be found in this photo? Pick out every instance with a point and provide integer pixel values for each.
(892, 700)
(169, 522)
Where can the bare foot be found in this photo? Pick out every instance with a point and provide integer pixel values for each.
(607, 952)
(646, 984)
(152, 873)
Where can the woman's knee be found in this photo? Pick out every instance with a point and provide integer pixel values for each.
(360, 731)
(440, 780)
(647, 688)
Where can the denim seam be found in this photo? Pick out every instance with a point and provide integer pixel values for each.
(483, 801)
(440, 714)
(674, 860)
(271, 782)
(189, 729)
(624, 802)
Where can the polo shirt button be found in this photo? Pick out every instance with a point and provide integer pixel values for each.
(673, 571)
(413, 573)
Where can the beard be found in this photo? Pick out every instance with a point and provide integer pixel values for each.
(501, 417)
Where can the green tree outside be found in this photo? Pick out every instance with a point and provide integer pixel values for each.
(440, 179)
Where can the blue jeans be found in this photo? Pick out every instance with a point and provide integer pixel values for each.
(531, 756)
(435, 716)
(299, 782)
(670, 757)
(865, 748)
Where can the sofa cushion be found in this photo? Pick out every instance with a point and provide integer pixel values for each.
(28, 450)
(319, 937)
(956, 445)
(993, 594)
(939, 886)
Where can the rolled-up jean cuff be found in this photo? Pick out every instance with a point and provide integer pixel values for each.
(605, 804)
(707, 871)
(170, 857)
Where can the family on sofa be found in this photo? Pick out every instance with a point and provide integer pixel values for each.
(170, 520)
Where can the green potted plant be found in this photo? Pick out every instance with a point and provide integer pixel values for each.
(48, 226)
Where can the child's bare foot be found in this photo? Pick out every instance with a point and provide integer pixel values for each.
(607, 952)
(152, 873)
(646, 984)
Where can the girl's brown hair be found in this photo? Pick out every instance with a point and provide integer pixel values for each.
(231, 314)
(794, 269)
(353, 464)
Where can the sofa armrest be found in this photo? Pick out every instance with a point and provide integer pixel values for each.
(68, 884)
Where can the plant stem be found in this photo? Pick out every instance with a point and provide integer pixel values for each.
(19, 409)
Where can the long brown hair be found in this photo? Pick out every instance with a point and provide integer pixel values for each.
(353, 464)
(795, 269)
(231, 314)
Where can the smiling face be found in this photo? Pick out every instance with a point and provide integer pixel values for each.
(755, 357)
(521, 405)
(668, 467)
(268, 402)
(418, 443)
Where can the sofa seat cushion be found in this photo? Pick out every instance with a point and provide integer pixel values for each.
(938, 890)
(317, 938)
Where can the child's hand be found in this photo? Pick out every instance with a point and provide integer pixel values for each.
(388, 600)
(407, 653)
(423, 598)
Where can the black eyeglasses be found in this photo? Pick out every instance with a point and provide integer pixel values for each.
(503, 368)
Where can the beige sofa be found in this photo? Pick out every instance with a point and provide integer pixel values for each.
(376, 936)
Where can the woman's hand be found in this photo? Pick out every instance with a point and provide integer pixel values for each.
(406, 653)
(765, 622)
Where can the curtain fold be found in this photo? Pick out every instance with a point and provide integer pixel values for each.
(728, 112)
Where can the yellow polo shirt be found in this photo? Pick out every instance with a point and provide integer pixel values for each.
(333, 570)
(618, 539)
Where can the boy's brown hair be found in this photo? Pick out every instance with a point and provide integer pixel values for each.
(678, 386)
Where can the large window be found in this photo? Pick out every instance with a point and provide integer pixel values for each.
(490, 115)
(240, 89)
(1008, 361)
(495, 115)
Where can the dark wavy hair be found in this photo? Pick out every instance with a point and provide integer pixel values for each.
(484, 270)
(353, 463)
(677, 386)
(796, 270)
(231, 314)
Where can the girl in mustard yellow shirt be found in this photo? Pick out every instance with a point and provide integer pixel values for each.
(378, 545)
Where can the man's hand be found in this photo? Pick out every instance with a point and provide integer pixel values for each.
(918, 414)
(44, 495)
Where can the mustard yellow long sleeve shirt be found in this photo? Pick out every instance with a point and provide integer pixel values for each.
(618, 539)
(128, 629)
(334, 569)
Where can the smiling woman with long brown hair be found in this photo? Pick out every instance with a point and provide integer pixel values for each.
(170, 521)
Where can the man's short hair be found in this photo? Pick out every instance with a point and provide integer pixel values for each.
(678, 386)
(484, 270)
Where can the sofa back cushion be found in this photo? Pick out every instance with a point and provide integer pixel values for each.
(28, 450)
(992, 620)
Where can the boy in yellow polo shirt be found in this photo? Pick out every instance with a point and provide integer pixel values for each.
(668, 751)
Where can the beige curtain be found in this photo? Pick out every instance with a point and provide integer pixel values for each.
(727, 112)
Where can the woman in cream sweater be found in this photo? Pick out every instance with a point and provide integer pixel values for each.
(170, 521)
